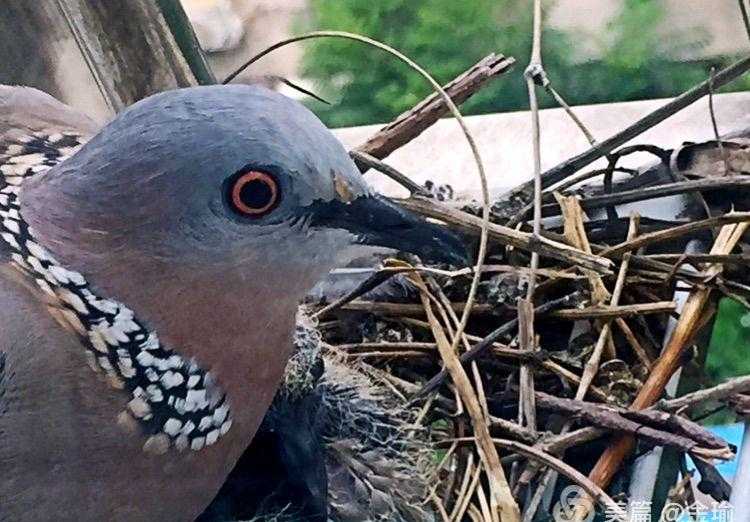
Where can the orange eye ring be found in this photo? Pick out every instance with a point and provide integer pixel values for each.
(254, 193)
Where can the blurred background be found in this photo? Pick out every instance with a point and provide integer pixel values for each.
(594, 51)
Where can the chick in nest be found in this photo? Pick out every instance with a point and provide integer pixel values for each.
(336, 446)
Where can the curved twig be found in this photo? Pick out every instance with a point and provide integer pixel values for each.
(561, 467)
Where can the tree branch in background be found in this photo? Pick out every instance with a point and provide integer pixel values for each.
(571, 166)
(413, 122)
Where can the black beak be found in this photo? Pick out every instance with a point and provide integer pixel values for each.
(376, 221)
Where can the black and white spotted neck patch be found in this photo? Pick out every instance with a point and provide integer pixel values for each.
(177, 404)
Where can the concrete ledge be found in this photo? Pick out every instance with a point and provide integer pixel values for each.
(442, 155)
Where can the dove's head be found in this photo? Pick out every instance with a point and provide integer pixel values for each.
(216, 175)
(210, 212)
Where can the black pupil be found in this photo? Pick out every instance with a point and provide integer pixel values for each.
(256, 193)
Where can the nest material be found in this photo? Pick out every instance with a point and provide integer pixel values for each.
(573, 302)
(378, 460)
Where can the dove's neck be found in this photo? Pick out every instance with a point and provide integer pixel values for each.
(235, 318)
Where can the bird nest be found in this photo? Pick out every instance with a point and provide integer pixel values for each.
(556, 379)
(562, 366)
(455, 393)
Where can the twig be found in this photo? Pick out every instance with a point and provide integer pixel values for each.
(527, 337)
(565, 169)
(412, 123)
(564, 469)
(526, 401)
(672, 431)
(502, 500)
(533, 70)
(574, 232)
(604, 312)
(387, 308)
(675, 232)
(715, 393)
(298, 88)
(558, 444)
(569, 111)
(482, 346)
(439, 505)
(583, 176)
(656, 191)
(365, 161)
(468, 223)
(668, 362)
(646, 359)
(592, 364)
(377, 278)
(729, 259)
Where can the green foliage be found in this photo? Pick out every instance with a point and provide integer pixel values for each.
(729, 350)
(636, 60)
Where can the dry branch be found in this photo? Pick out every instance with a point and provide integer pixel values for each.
(690, 318)
(416, 120)
(604, 312)
(657, 428)
(601, 149)
(467, 223)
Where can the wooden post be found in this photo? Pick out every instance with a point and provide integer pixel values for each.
(125, 49)
(128, 46)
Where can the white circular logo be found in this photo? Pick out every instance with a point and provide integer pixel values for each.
(570, 498)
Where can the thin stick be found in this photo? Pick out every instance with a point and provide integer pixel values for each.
(564, 469)
(407, 126)
(592, 365)
(535, 65)
(527, 408)
(668, 362)
(674, 232)
(483, 345)
(716, 393)
(569, 111)
(463, 221)
(609, 312)
(526, 396)
(502, 499)
(573, 165)
(635, 344)
(657, 428)
(656, 191)
(371, 162)
(388, 308)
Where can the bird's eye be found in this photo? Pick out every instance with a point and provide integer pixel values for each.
(254, 194)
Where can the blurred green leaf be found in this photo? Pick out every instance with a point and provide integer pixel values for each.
(729, 350)
(637, 59)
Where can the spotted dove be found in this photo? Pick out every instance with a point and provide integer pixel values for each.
(149, 277)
